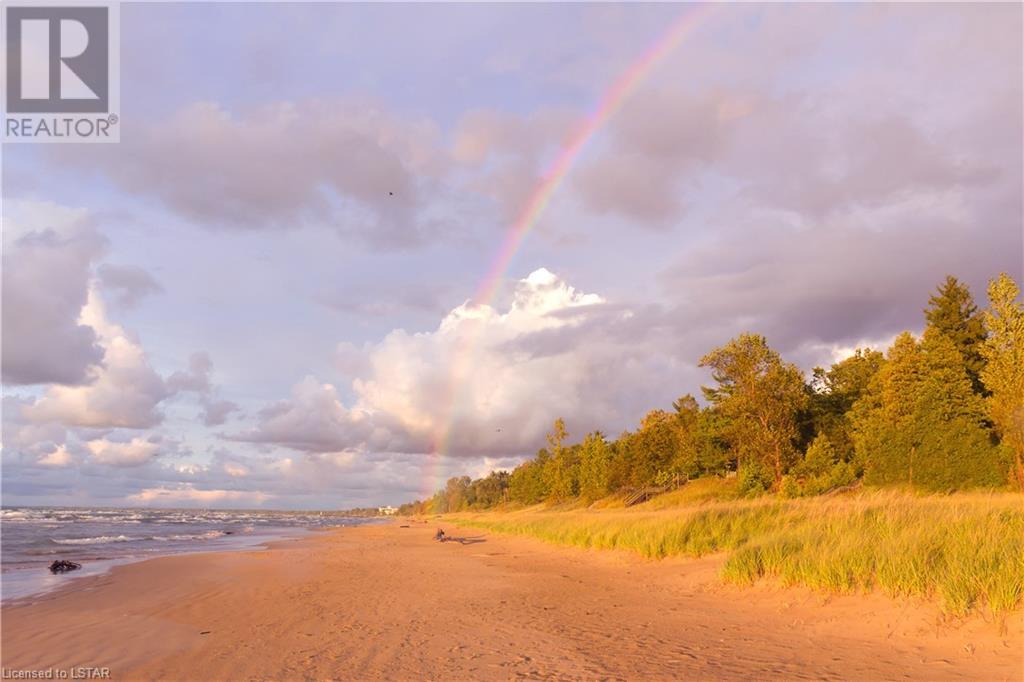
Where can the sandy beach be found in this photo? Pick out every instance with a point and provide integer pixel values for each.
(388, 602)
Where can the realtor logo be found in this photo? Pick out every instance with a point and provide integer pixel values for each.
(61, 73)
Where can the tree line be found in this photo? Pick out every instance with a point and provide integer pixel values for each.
(941, 412)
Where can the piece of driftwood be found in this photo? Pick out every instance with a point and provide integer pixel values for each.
(63, 566)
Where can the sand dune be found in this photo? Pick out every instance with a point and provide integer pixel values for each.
(390, 603)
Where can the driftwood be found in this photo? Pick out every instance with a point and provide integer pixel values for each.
(63, 566)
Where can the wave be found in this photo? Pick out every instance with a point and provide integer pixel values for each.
(93, 541)
(200, 536)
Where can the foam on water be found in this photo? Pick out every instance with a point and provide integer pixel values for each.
(33, 537)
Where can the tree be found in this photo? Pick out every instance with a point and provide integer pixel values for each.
(1003, 374)
(760, 396)
(456, 495)
(595, 463)
(656, 446)
(921, 423)
(528, 484)
(490, 491)
(952, 312)
(560, 472)
(881, 418)
(686, 462)
(833, 393)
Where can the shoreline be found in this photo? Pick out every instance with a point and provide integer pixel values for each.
(96, 568)
(382, 601)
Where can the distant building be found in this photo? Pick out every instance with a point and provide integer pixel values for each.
(387, 511)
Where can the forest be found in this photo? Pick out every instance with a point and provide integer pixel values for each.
(942, 412)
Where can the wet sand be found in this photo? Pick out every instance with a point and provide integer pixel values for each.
(385, 602)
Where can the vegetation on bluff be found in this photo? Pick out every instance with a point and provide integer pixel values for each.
(965, 550)
(937, 414)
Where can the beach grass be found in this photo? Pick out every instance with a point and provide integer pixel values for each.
(964, 550)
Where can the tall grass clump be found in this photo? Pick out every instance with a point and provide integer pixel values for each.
(966, 551)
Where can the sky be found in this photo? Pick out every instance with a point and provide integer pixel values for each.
(265, 294)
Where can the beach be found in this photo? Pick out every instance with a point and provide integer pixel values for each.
(389, 602)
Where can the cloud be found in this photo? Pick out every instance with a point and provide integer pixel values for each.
(127, 284)
(235, 470)
(48, 255)
(485, 382)
(189, 496)
(501, 153)
(811, 287)
(314, 420)
(134, 453)
(124, 392)
(347, 163)
(197, 378)
(659, 138)
(216, 412)
(58, 458)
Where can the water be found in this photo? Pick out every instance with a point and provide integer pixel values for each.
(34, 537)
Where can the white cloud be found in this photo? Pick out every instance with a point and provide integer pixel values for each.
(58, 458)
(189, 495)
(136, 452)
(124, 391)
(485, 382)
(235, 470)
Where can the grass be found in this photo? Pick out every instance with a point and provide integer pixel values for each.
(966, 550)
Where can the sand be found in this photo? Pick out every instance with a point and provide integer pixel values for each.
(386, 602)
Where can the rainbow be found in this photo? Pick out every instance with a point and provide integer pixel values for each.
(551, 180)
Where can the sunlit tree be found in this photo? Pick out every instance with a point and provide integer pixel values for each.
(760, 397)
(1003, 374)
(952, 312)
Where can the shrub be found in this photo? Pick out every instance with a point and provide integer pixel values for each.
(754, 479)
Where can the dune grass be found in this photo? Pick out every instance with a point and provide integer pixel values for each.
(964, 550)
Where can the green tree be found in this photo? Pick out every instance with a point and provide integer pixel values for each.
(656, 447)
(686, 462)
(921, 423)
(882, 417)
(835, 390)
(528, 484)
(1003, 374)
(490, 491)
(561, 471)
(712, 444)
(819, 458)
(951, 311)
(595, 467)
(760, 396)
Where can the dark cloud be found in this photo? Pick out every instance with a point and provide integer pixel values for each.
(656, 141)
(216, 412)
(126, 284)
(197, 378)
(45, 284)
(831, 286)
(349, 164)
